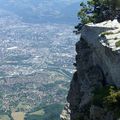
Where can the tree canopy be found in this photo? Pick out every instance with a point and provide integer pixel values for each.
(98, 11)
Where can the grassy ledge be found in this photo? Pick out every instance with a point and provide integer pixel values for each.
(117, 44)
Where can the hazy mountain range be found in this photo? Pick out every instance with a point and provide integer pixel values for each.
(39, 11)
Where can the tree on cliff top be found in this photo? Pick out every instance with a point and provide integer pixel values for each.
(98, 11)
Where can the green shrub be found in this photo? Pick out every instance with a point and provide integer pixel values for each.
(106, 33)
(108, 97)
(112, 101)
(117, 44)
(99, 94)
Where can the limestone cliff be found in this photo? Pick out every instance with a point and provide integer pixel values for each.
(97, 65)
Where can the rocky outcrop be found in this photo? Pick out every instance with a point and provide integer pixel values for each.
(97, 65)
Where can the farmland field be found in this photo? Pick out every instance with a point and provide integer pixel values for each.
(18, 115)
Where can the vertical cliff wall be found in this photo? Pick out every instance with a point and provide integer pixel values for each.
(97, 66)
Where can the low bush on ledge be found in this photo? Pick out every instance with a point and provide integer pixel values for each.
(106, 33)
(117, 44)
(107, 97)
(99, 94)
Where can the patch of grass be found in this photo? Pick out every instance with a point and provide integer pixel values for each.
(39, 112)
(117, 44)
(51, 112)
(106, 33)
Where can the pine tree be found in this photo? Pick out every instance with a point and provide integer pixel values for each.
(97, 11)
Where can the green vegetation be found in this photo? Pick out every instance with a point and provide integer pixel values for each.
(4, 117)
(50, 112)
(97, 11)
(109, 33)
(1, 104)
(23, 107)
(106, 33)
(99, 95)
(39, 113)
(108, 97)
(117, 44)
(112, 101)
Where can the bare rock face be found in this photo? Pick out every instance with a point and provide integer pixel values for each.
(97, 64)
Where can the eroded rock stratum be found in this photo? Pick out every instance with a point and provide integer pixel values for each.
(97, 66)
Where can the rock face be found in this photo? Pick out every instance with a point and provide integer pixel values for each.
(97, 64)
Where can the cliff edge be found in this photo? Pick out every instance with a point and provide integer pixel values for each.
(94, 91)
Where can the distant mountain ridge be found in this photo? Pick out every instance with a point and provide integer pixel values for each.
(39, 11)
